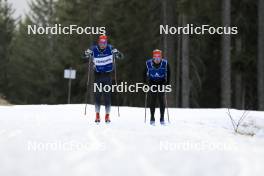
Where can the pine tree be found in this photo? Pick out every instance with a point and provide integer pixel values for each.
(7, 26)
(35, 56)
(226, 56)
(261, 55)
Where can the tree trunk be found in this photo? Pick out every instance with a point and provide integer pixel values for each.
(169, 48)
(165, 37)
(178, 70)
(91, 91)
(238, 90)
(239, 84)
(261, 55)
(185, 67)
(226, 59)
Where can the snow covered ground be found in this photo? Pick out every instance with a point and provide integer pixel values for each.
(60, 140)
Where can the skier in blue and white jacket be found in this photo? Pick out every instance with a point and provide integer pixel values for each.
(103, 56)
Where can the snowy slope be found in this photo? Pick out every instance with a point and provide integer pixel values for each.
(60, 140)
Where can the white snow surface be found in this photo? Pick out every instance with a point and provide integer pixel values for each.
(53, 140)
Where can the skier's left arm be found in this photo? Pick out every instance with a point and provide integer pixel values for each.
(117, 54)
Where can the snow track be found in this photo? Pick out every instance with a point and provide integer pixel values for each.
(59, 140)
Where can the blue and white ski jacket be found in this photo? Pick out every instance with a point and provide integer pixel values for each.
(157, 74)
(103, 59)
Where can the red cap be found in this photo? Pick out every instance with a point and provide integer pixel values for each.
(157, 53)
(102, 38)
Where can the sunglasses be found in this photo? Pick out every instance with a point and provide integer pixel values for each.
(157, 59)
(102, 42)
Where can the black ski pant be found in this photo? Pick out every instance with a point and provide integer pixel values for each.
(153, 96)
(103, 80)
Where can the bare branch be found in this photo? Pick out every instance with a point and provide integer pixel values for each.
(241, 119)
(232, 120)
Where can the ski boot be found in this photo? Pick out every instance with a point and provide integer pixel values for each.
(107, 118)
(152, 121)
(97, 118)
(162, 122)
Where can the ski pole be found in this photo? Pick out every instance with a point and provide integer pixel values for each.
(87, 85)
(116, 85)
(146, 99)
(166, 102)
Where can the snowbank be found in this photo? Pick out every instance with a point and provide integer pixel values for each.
(60, 140)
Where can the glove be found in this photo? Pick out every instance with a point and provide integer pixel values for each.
(115, 51)
(88, 53)
(117, 54)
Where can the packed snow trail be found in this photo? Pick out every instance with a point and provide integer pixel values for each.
(59, 140)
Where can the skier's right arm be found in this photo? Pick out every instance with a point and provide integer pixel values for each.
(145, 78)
(87, 55)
